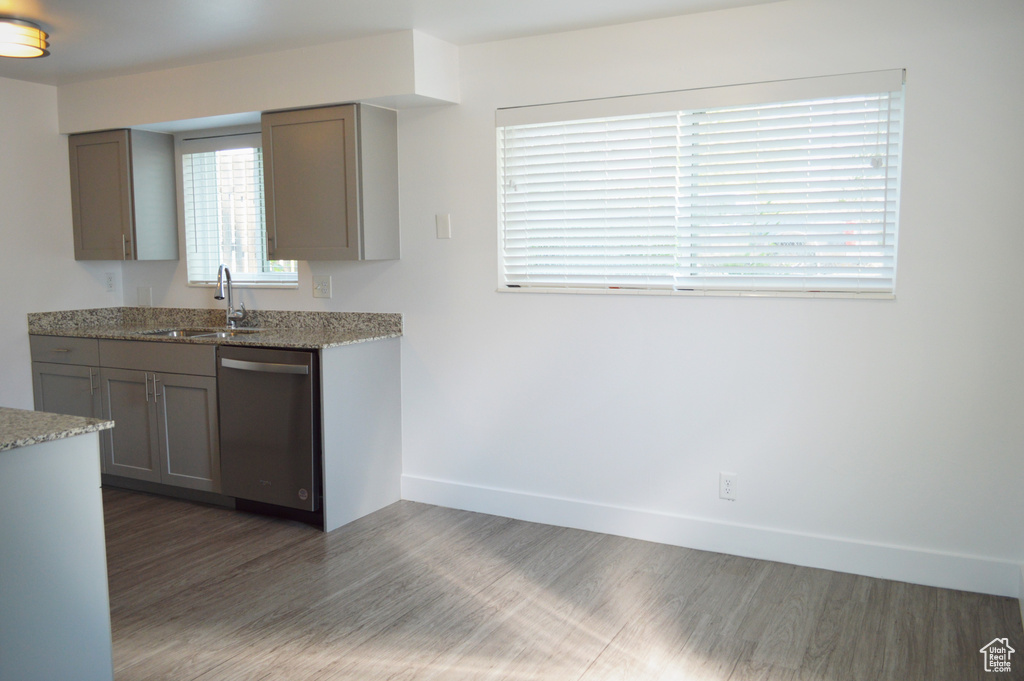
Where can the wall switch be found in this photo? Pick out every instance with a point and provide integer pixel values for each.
(321, 286)
(108, 282)
(443, 222)
(727, 486)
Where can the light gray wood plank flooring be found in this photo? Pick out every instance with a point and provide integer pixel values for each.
(422, 592)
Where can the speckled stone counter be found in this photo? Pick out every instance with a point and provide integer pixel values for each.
(275, 328)
(21, 428)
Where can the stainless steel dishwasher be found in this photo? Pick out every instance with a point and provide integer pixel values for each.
(269, 404)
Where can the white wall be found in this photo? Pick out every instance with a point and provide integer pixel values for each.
(37, 267)
(880, 437)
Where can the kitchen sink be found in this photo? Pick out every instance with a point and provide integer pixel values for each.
(177, 333)
(230, 333)
(200, 333)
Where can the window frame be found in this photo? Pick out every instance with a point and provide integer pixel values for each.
(765, 93)
(180, 139)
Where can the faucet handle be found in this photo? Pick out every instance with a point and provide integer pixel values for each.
(237, 315)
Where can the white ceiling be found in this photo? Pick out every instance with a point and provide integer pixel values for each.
(96, 38)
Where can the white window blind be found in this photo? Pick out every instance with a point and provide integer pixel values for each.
(795, 195)
(222, 182)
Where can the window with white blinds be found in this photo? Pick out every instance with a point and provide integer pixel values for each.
(222, 183)
(784, 187)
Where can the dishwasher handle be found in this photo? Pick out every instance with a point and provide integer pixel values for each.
(265, 367)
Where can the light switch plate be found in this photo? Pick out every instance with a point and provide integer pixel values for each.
(443, 222)
(321, 286)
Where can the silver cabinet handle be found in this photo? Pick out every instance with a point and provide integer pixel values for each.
(147, 386)
(156, 395)
(92, 388)
(61, 350)
(266, 367)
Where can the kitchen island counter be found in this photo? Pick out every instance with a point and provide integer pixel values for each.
(21, 428)
(54, 605)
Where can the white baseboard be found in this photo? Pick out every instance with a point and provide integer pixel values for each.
(1020, 593)
(952, 571)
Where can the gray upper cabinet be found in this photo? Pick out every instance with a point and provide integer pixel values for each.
(331, 183)
(123, 203)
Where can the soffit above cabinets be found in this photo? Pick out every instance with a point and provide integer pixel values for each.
(93, 39)
(396, 70)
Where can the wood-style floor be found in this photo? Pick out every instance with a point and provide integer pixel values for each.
(423, 592)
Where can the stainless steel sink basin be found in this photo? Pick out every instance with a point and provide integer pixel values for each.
(230, 333)
(200, 333)
(178, 333)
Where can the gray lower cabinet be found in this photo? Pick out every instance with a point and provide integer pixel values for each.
(165, 422)
(187, 436)
(129, 449)
(66, 389)
(66, 375)
(166, 428)
(162, 398)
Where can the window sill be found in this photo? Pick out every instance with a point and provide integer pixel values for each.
(700, 294)
(246, 284)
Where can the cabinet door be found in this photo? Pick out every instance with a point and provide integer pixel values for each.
(187, 426)
(311, 184)
(130, 448)
(101, 195)
(66, 389)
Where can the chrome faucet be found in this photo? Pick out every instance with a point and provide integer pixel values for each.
(224, 282)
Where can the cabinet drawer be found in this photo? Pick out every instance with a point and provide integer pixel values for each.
(61, 350)
(172, 358)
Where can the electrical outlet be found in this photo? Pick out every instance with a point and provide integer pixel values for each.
(108, 282)
(727, 486)
(321, 286)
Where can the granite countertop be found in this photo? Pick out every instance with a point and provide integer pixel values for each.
(21, 428)
(273, 328)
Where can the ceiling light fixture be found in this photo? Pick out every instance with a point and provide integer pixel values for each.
(22, 39)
